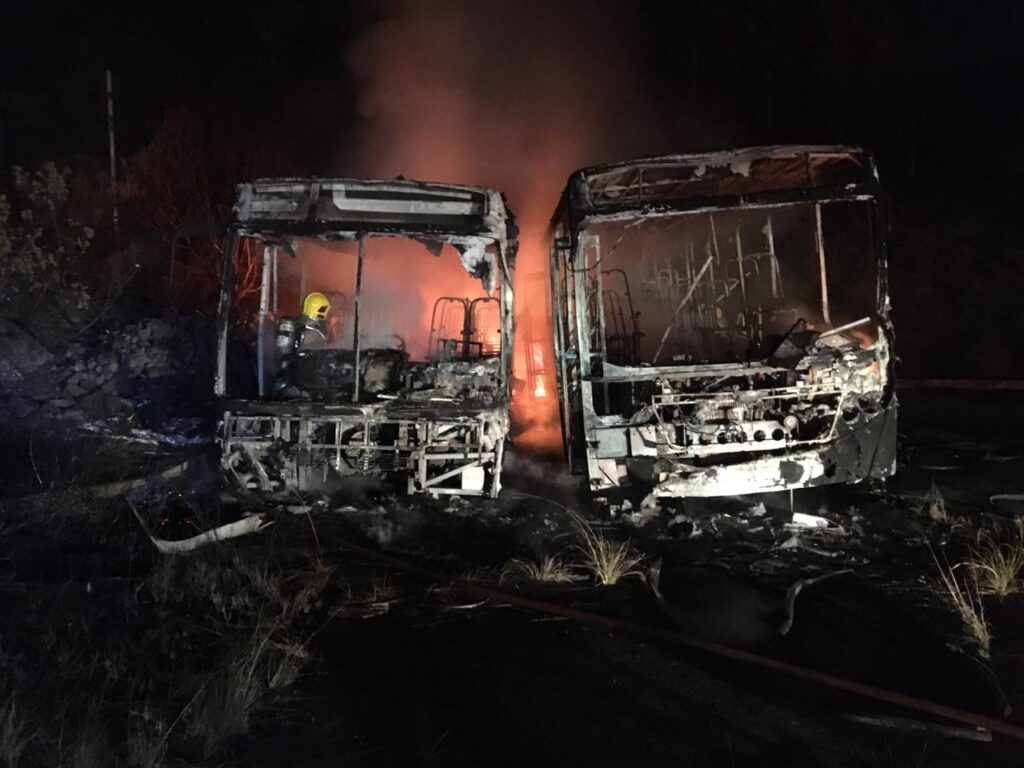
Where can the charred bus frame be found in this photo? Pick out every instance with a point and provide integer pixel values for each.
(440, 424)
(790, 394)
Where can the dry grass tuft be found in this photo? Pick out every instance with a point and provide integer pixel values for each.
(478, 573)
(268, 658)
(162, 580)
(224, 710)
(269, 661)
(225, 705)
(14, 737)
(997, 566)
(609, 561)
(375, 600)
(965, 596)
(89, 749)
(313, 583)
(935, 505)
(88, 746)
(285, 661)
(380, 592)
(550, 570)
(147, 739)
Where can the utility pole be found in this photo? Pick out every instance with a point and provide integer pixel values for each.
(113, 152)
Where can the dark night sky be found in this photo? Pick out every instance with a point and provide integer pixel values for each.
(946, 79)
(936, 89)
(230, 60)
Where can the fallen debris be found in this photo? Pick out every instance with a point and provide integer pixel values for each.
(921, 726)
(682, 520)
(804, 520)
(243, 527)
(794, 591)
(1006, 497)
(639, 517)
(758, 510)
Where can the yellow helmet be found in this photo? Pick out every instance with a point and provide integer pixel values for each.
(316, 305)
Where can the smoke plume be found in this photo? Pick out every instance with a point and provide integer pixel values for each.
(512, 96)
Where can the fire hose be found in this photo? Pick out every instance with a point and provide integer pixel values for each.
(972, 719)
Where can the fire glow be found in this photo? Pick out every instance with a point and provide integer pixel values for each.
(387, 319)
(484, 94)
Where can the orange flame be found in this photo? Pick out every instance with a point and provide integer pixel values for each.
(498, 95)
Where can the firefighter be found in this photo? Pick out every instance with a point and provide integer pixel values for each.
(293, 336)
(306, 332)
(313, 323)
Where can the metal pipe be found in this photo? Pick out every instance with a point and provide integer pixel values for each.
(774, 262)
(602, 332)
(820, 241)
(739, 262)
(273, 287)
(847, 327)
(718, 255)
(560, 318)
(507, 293)
(686, 298)
(261, 327)
(355, 330)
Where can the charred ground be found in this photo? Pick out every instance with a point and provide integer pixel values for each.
(288, 644)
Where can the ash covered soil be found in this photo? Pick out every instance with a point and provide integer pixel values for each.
(289, 647)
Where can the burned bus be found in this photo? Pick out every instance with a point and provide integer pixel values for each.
(365, 331)
(722, 322)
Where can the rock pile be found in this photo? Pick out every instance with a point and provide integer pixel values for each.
(142, 372)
